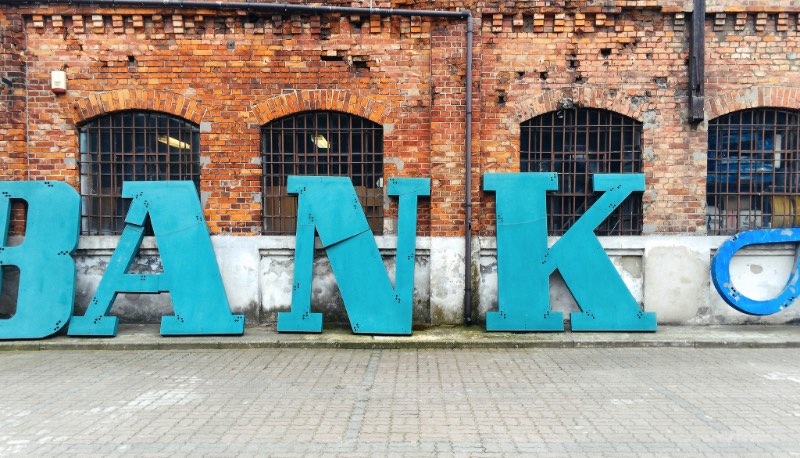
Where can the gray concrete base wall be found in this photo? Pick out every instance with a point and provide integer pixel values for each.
(669, 275)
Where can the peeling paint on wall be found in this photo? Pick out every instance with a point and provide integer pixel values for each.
(667, 274)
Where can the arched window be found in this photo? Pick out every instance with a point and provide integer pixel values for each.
(321, 143)
(753, 176)
(578, 143)
(131, 146)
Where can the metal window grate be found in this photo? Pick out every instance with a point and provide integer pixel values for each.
(321, 143)
(577, 143)
(131, 146)
(753, 180)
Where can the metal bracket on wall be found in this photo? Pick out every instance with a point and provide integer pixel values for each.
(697, 63)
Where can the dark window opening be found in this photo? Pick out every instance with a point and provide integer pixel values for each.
(753, 180)
(321, 143)
(576, 144)
(18, 224)
(9, 291)
(131, 146)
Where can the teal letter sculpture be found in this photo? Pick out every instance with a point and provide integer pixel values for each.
(44, 258)
(525, 263)
(330, 205)
(721, 271)
(191, 274)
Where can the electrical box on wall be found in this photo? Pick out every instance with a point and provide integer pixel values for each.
(58, 81)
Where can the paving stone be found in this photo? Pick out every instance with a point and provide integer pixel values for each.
(146, 337)
(414, 402)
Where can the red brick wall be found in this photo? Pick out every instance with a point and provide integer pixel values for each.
(226, 69)
(234, 71)
(12, 98)
(631, 61)
(13, 164)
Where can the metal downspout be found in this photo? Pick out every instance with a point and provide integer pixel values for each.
(317, 9)
(468, 183)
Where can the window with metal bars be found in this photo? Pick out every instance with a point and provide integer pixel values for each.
(753, 179)
(131, 146)
(321, 143)
(576, 144)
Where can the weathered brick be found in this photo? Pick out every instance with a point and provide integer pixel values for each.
(238, 70)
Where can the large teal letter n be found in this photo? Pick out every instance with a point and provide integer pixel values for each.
(330, 205)
(524, 262)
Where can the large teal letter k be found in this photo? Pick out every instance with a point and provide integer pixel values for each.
(525, 263)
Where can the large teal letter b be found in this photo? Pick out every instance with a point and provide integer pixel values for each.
(44, 259)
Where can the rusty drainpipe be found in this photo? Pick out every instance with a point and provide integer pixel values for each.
(320, 9)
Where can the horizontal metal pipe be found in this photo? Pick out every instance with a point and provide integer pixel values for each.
(275, 7)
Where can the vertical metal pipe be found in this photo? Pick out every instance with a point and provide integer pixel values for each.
(468, 181)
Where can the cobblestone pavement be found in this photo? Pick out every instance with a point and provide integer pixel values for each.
(557, 402)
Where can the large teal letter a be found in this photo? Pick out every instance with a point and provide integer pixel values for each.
(330, 205)
(191, 274)
(524, 262)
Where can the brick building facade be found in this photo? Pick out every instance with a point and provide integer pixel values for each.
(230, 72)
(237, 70)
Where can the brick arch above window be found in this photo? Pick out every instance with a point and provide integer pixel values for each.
(131, 145)
(726, 102)
(577, 143)
(321, 143)
(600, 98)
(753, 164)
(322, 100)
(102, 103)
